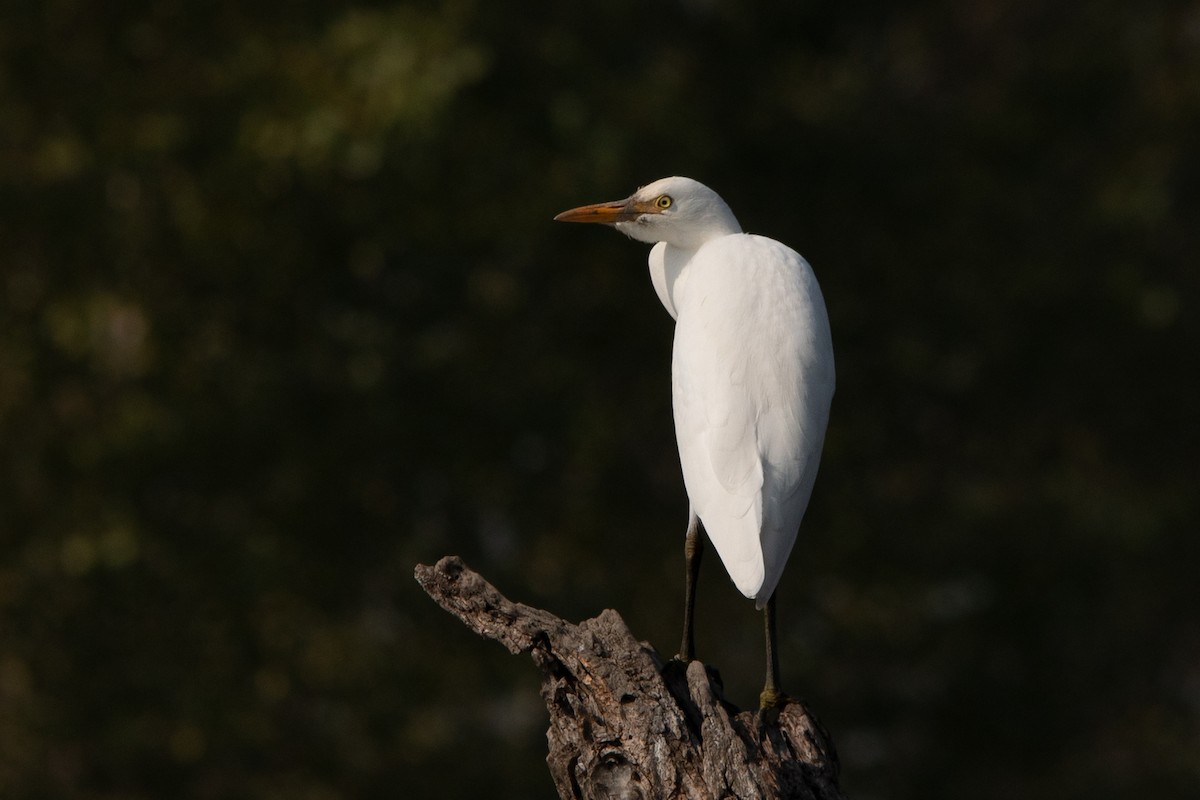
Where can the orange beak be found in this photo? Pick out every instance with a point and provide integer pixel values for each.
(609, 213)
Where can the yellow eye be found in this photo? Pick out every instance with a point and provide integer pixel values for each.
(664, 201)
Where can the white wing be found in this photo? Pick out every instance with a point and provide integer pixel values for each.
(753, 378)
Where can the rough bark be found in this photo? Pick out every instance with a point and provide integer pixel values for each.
(626, 724)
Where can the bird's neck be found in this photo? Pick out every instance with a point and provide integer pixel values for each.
(668, 273)
(718, 222)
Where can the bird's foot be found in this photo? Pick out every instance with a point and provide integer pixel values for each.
(675, 668)
(771, 699)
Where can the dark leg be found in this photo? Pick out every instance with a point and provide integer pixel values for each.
(693, 550)
(771, 695)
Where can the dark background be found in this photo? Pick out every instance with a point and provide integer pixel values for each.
(284, 314)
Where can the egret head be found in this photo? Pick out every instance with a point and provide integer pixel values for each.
(678, 211)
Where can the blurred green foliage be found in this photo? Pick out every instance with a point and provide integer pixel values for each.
(285, 314)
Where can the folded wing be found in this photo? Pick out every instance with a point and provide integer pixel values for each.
(752, 380)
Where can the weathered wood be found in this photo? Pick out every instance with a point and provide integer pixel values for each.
(626, 724)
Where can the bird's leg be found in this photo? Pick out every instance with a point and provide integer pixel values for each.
(772, 696)
(693, 550)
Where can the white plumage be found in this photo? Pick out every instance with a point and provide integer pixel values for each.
(752, 371)
(752, 380)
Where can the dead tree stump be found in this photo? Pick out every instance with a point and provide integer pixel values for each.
(625, 724)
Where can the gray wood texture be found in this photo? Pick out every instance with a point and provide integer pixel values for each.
(626, 724)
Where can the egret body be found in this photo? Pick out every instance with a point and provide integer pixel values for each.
(752, 380)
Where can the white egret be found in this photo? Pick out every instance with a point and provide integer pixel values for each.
(752, 380)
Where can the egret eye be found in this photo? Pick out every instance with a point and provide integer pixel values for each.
(664, 201)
